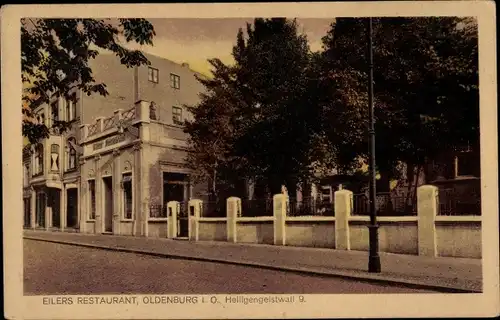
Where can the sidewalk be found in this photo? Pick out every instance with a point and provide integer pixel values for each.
(442, 274)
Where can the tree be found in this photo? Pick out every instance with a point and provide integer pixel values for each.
(258, 110)
(54, 60)
(212, 132)
(425, 76)
(272, 75)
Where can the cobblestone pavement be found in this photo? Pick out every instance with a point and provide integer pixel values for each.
(52, 268)
(458, 273)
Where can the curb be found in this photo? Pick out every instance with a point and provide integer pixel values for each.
(370, 278)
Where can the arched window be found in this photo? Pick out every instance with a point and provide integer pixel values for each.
(71, 153)
(54, 157)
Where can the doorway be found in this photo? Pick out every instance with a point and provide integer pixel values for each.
(55, 207)
(175, 188)
(108, 203)
(72, 208)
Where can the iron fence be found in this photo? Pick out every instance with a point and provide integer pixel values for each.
(214, 209)
(388, 205)
(158, 211)
(256, 207)
(453, 203)
(310, 207)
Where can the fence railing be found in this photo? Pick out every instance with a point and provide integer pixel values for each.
(452, 203)
(310, 207)
(158, 211)
(214, 209)
(256, 207)
(387, 205)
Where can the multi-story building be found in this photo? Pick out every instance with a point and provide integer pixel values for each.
(122, 159)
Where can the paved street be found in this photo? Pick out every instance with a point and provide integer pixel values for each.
(51, 268)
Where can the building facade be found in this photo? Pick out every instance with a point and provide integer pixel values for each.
(122, 159)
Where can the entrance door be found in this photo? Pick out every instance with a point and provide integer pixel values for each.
(174, 189)
(72, 208)
(108, 204)
(54, 204)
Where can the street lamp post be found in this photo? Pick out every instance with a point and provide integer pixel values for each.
(374, 258)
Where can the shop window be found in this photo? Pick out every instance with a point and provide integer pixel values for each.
(92, 203)
(127, 196)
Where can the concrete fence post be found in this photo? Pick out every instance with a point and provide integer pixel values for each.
(280, 208)
(427, 207)
(173, 208)
(343, 208)
(195, 207)
(233, 211)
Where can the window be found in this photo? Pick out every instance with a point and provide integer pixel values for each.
(92, 199)
(38, 163)
(54, 157)
(70, 110)
(153, 75)
(177, 115)
(127, 195)
(71, 153)
(54, 109)
(175, 81)
(40, 118)
(26, 175)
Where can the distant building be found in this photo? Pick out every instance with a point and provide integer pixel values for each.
(122, 160)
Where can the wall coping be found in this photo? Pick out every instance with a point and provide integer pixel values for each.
(208, 219)
(458, 219)
(254, 219)
(309, 218)
(385, 219)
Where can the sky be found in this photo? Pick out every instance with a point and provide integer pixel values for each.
(196, 40)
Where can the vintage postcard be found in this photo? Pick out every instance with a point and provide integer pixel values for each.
(240, 161)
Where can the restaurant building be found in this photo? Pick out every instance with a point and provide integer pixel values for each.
(123, 157)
